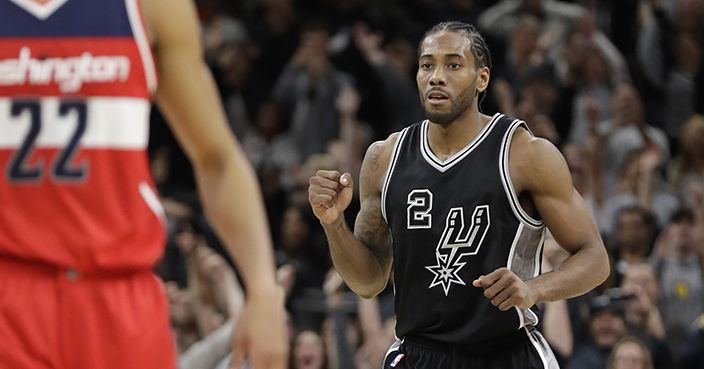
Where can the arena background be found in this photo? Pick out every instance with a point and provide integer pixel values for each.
(618, 86)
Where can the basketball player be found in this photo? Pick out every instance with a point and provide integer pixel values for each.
(465, 200)
(80, 223)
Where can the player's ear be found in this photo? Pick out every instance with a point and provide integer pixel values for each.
(483, 74)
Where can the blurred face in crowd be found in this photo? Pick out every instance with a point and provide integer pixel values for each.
(641, 277)
(401, 55)
(235, 62)
(641, 281)
(269, 120)
(595, 68)
(626, 106)
(308, 352)
(606, 328)
(542, 94)
(686, 235)
(294, 231)
(693, 137)
(314, 44)
(688, 53)
(447, 77)
(576, 158)
(524, 38)
(690, 17)
(633, 234)
(629, 355)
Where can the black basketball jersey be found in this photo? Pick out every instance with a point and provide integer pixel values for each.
(451, 222)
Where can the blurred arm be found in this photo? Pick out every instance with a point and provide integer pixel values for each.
(227, 185)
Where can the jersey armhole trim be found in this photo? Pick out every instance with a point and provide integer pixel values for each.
(390, 170)
(518, 210)
(139, 31)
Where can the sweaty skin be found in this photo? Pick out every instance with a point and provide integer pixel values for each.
(227, 185)
(538, 171)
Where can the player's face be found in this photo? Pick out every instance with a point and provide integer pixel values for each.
(448, 82)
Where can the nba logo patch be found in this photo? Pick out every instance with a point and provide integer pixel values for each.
(396, 360)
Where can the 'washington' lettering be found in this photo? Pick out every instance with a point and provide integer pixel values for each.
(68, 73)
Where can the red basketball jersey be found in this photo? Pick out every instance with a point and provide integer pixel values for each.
(76, 78)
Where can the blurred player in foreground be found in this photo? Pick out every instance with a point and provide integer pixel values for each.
(80, 223)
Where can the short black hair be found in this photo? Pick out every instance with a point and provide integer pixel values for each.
(480, 50)
(682, 215)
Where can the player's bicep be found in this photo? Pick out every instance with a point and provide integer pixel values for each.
(565, 213)
(186, 94)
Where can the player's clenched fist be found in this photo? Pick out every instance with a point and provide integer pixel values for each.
(505, 289)
(329, 194)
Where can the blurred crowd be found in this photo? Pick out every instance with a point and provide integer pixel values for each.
(617, 86)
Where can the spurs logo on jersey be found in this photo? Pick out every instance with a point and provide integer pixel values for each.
(455, 243)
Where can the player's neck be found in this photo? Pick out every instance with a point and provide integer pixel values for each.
(447, 140)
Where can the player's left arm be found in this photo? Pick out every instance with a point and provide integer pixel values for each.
(538, 168)
(227, 184)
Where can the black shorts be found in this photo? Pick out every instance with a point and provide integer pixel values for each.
(524, 349)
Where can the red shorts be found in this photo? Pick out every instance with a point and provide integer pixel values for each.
(59, 319)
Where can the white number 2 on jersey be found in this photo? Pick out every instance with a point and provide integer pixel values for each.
(420, 203)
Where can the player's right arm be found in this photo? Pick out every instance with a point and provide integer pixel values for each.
(362, 258)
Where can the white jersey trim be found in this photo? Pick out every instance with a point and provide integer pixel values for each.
(521, 320)
(506, 177)
(112, 123)
(541, 346)
(143, 44)
(443, 166)
(513, 246)
(390, 170)
(538, 255)
(152, 201)
(39, 10)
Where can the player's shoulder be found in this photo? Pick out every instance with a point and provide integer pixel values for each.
(386, 146)
(527, 148)
(376, 160)
(535, 161)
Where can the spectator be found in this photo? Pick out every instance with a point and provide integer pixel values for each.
(393, 64)
(584, 180)
(689, 164)
(641, 185)
(678, 262)
(693, 349)
(630, 353)
(309, 259)
(275, 30)
(307, 90)
(271, 144)
(232, 53)
(632, 243)
(643, 318)
(557, 18)
(606, 327)
(603, 67)
(679, 89)
(308, 351)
